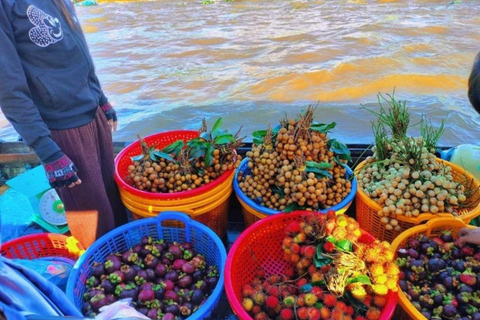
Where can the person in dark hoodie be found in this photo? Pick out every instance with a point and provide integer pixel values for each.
(474, 84)
(51, 95)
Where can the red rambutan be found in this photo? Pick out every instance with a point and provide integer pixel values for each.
(329, 300)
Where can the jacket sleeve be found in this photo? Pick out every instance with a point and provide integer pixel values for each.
(15, 99)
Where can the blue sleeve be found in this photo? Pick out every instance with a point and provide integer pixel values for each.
(15, 98)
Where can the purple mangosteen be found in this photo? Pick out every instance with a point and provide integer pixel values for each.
(112, 263)
(129, 257)
(173, 309)
(150, 261)
(98, 269)
(160, 270)
(107, 286)
(128, 272)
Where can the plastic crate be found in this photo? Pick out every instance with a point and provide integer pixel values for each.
(367, 209)
(253, 212)
(261, 245)
(42, 245)
(204, 240)
(432, 228)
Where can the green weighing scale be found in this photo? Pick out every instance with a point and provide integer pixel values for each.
(48, 208)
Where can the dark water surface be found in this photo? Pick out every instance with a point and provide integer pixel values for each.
(167, 64)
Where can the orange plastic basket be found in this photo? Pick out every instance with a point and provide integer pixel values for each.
(207, 204)
(432, 228)
(42, 245)
(260, 245)
(367, 209)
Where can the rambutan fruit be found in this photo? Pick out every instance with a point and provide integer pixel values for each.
(301, 282)
(380, 289)
(289, 272)
(260, 273)
(247, 304)
(337, 315)
(287, 242)
(294, 227)
(325, 313)
(328, 247)
(272, 302)
(308, 251)
(373, 313)
(350, 311)
(317, 291)
(289, 301)
(329, 300)
(331, 215)
(376, 269)
(360, 318)
(256, 309)
(305, 262)
(317, 276)
(313, 314)
(259, 298)
(294, 258)
(274, 279)
(301, 300)
(341, 306)
(310, 299)
(312, 269)
(302, 313)
(274, 291)
(287, 314)
(247, 290)
(295, 248)
(261, 316)
(379, 301)
(300, 238)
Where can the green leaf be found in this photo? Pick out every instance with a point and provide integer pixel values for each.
(340, 149)
(137, 158)
(337, 161)
(163, 155)
(205, 135)
(258, 136)
(323, 128)
(277, 189)
(217, 124)
(318, 283)
(344, 245)
(306, 288)
(216, 128)
(174, 148)
(319, 173)
(321, 262)
(152, 154)
(319, 251)
(331, 239)
(318, 165)
(363, 279)
(197, 152)
(293, 207)
(209, 155)
(224, 138)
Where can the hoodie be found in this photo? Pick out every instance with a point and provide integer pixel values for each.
(47, 76)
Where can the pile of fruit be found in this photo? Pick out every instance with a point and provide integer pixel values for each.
(403, 176)
(295, 166)
(165, 281)
(330, 274)
(440, 277)
(181, 167)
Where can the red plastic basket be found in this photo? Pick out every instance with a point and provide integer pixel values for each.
(261, 245)
(40, 245)
(160, 140)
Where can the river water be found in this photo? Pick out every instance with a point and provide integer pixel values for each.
(167, 64)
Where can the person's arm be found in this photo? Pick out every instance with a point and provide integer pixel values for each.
(18, 107)
(469, 236)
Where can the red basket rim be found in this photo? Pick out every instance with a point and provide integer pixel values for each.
(392, 297)
(30, 237)
(166, 196)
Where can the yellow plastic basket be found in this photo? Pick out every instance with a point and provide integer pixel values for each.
(367, 209)
(432, 228)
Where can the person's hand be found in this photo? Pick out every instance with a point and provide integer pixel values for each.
(469, 236)
(62, 172)
(111, 115)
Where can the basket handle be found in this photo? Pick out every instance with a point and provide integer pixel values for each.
(442, 222)
(174, 215)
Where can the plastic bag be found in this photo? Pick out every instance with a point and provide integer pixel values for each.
(120, 310)
(54, 269)
(16, 213)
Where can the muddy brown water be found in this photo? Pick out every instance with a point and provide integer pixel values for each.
(167, 64)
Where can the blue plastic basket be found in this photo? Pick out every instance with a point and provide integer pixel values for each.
(204, 240)
(243, 168)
